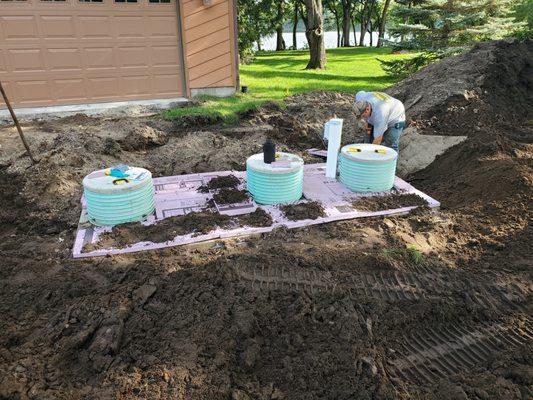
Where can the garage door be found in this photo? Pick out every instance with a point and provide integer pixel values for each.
(89, 51)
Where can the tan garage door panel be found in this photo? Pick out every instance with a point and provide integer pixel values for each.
(72, 51)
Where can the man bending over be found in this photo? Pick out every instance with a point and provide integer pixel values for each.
(384, 113)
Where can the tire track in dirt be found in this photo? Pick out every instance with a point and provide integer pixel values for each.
(396, 286)
(431, 355)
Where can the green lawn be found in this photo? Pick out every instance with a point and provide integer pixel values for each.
(276, 75)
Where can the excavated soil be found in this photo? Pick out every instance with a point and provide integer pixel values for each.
(221, 182)
(306, 210)
(380, 203)
(198, 223)
(433, 305)
(167, 229)
(229, 196)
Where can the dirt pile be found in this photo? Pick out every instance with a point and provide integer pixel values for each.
(490, 84)
(306, 210)
(374, 203)
(429, 306)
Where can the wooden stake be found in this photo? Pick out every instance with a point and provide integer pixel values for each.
(16, 121)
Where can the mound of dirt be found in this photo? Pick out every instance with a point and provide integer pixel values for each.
(379, 203)
(220, 182)
(258, 218)
(143, 138)
(229, 196)
(301, 123)
(305, 210)
(167, 229)
(469, 93)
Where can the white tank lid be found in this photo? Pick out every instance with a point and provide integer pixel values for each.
(285, 163)
(367, 152)
(98, 181)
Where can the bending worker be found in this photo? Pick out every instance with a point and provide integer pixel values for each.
(385, 113)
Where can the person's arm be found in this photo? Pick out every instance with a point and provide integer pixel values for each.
(380, 120)
(379, 130)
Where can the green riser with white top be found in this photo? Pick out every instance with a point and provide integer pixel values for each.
(367, 170)
(275, 183)
(110, 204)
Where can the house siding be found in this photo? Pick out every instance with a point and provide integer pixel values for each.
(209, 43)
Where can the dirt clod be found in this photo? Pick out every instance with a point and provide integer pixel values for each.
(304, 210)
(258, 218)
(220, 182)
(379, 203)
(167, 229)
(229, 196)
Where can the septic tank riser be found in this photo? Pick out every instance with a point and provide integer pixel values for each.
(280, 182)
(367, 167)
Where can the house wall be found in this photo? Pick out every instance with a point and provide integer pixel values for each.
(209, 34)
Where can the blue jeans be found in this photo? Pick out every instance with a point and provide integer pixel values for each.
(391, 137)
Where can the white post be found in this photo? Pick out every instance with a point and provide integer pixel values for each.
(333, 133)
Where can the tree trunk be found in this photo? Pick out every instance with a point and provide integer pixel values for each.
(304, 19)
(354, 32)
(337, 24)
(315, 34)
(381, 35)
(295, 26)
(370, 25)
(363, 24)
(259, 45)
(346, 14)
(280, 42)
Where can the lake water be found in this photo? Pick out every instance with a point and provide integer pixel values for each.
(269, 42)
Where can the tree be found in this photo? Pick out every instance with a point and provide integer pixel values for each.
(438, 25)
(346, 19)
(280, 42)
(255, 20)
(296, 9)
(523, 11)
(315, 34)
(382, 22)
(333, 7)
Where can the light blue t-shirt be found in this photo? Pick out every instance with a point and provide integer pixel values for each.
(386, 110)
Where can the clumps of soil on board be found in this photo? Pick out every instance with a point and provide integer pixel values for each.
(304, 210)
(197, 223)
(225, 189)
(258, 218)
(391, 202)
(230, 196)
(220, 182)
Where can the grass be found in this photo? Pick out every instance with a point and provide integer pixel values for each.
(276, 75)
(410, 252)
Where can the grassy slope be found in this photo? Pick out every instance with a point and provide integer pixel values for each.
(276, 75)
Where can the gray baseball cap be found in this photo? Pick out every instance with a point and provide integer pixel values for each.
(359, 108)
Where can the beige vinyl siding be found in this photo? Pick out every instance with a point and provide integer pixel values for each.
(209, 43)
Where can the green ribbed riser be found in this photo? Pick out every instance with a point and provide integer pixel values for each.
(366, 177)
(274, 188)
